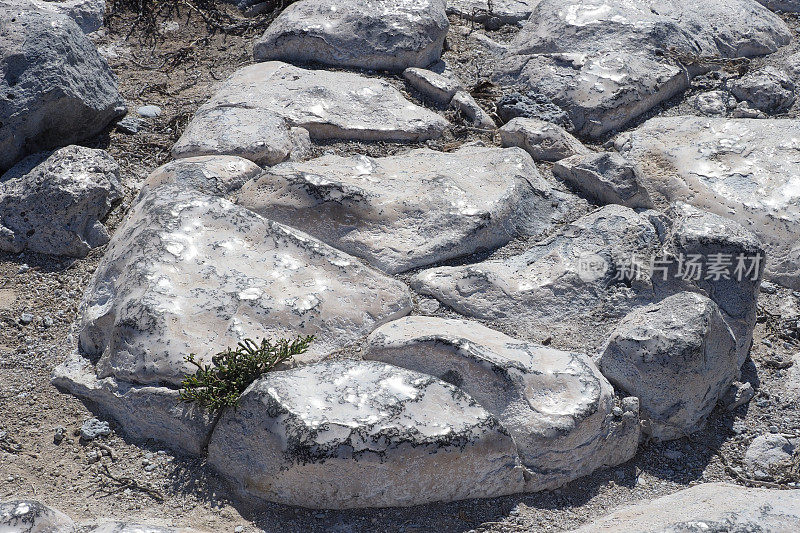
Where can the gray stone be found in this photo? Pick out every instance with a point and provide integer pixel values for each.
(26, 318)
(678, 356)
(55, 89)
(344, 434)
(561, 287)
(53, 203)
(266, 112)
(766, 454)
(787, 6)
(87, 14)
(532, 105)
(383, 35)
(411, 210)
(94, 428)
(737, 395)
(28, 516)
(190, 273)
(710, 103)
(437, 87)
(148, 111)
(745, 170)
(707, 507)
(606, 177)
(130, 125)
(768, 89)
(504, 11)
(466, 104)
(217, 175)
(606, 62)
(598, 91)
(555, 404)
(743, 110)
(542, 140)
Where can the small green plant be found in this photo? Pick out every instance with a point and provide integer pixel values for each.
(220, 384)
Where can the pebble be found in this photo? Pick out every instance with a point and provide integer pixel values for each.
(59, 434)
(130, 125)
(238, 529)
(150, 468)
(768, 287)
(774, 429)
(149, 111)
(94, 428)
(26, 318)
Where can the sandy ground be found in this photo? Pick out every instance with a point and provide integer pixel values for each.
(177, 71)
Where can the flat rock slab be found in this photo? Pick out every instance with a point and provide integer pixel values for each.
(410, 210)
(556, 405)
(599, 91)
(504, 11)
(53, 203)
(190, 273)
(605, 62)
(678, 356)
(706, 507)
(379, 34)
(266, 112)
(744, 169)
(56, 88)
(343, 434)
(216, 175)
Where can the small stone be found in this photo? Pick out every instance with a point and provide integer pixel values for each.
(130, 125)
(47, 322)
(464, 102)
(94, 428)
(59, 434)
(617, 412)
(737, 395)
(238, 529)
(605, 177)
(768, 287)
(93, 456)
(148, 111)
(710, 103)
(26, 318)
(769, 90)
(150, 468)
(428, 306)
(774, 429)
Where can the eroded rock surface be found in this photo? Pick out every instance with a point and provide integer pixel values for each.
(266, 112)
(543, 140)
(56, 88)
(189, 273)
(33, 517)
(555, 404)
(381, 34)
(53, 203)
(499, 12)
(745, 170)
(216, 175)
(347, 433)
(678, 356)
(706, 507)
(411, 210)
(605, 177)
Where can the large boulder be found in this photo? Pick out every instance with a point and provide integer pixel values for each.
(266, 112)
(190, 273)
(411, 210)
(747, 170)
(706, 507)
(53, 203)
(555, 404)
(607, 61)
(33, 517)
(55, 89)
(347, 433)
(577, 284)
(678, 356)
(380, 35)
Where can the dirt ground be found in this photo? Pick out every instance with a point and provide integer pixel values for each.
(177, 69)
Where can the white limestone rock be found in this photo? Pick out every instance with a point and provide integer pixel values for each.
(405, 211)
(503, 11)
(190, 273)
(55, 89)
(555, 404)
(216, 175)
(768, 89)
(437, 87)
(766, 454)
(53, 203)
(344, 434)
(30, 516)
(599, 91)
(267, 111)
(379, 34)
(561, 287)
(745, 170)
(544, 141)
(706, 507)
(466, 104)
(605, 177)
(678, 356)
(711, 103)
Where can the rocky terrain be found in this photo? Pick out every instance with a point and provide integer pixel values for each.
(547, 250)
